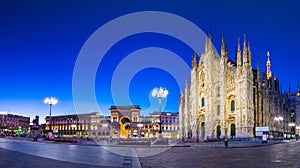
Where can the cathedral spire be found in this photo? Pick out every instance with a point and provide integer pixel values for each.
(269, 74)
(258, 68)
(238, 55)
(249, 55)
(181, 97)
(245, 54)
(194, 60)
(298, 89)
(210, 34)
(210, 40)
(186, 81)
(206, 44)
(226, 51)
(223, 53)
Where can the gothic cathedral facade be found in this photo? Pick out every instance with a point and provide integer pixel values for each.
(225, 98)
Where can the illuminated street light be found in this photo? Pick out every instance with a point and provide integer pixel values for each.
(140, 125)
(292, 124)
(160, 93)
(51, 101)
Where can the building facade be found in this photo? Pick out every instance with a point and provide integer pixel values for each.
(91, 125)
(231, 98)
(11, 123)
(126, 122)
(169, 124)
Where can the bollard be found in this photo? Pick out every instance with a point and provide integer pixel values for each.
(226, 142)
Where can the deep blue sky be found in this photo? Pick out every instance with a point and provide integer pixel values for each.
(40, 41)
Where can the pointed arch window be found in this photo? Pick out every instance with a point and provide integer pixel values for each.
(232, 106)
(202, 102)
(202, 79)
(218, 91)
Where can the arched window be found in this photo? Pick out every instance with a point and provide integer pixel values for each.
(202, 79)
(218, 91)
(218, 110)
(232, 105)
(202, 102)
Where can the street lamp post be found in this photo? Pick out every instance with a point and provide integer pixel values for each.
(280, 119)
(160, 93)
(2, 125)
(51, 101)
(293, 126)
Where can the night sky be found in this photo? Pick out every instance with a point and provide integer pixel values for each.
(40, 42)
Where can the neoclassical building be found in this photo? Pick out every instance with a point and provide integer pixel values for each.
(231, 98)
(91, 125)
(126, 122)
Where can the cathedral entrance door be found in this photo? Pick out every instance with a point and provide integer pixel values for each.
(190, 134)
(202, 130)
(232, 130)
(218, 131)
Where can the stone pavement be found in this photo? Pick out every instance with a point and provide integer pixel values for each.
(231, 143)
(69, 153)
(20, 152)
(240, 144)
(266, 156)
(14, 159)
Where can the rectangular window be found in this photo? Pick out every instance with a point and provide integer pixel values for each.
(218, 110)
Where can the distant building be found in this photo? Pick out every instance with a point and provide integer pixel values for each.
(91, 125)
(149, 126)
(169, 124)
(10, 123)
(126, 122)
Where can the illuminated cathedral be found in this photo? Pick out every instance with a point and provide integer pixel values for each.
(228, 98)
